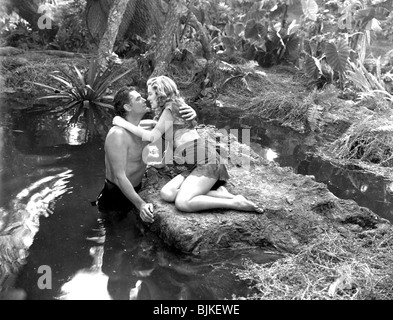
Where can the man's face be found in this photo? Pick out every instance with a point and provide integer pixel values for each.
(138, 103)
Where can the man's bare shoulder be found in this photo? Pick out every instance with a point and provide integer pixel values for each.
(117, 131)
(121, 135)
(117, 135)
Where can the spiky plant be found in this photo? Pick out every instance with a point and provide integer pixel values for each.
(83, 92)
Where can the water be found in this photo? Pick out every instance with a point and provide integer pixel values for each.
(65, 250)
(292, 149)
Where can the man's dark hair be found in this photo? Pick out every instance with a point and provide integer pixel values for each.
(121, 98)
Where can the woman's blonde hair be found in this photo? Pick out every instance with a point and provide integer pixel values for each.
(165, 89)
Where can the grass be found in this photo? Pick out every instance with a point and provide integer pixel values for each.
(370, 140)
(333, 267)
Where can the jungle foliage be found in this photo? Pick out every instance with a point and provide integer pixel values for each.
(327, 42)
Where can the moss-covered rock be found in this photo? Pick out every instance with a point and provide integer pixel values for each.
(296, 208)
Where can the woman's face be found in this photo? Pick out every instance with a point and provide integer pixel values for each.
(152, 97)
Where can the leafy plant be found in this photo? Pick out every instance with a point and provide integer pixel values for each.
(84, 91)
(369, 85)
(18, 34)
(265, 38)
(73, 34)
(334, 59)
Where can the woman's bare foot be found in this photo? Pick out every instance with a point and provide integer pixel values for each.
(246, 205)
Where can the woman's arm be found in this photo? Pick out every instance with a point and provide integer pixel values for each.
(164, 123)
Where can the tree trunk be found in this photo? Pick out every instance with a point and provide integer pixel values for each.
(163, 47)
(142, 17)
(204, 37)
(28, 10)
(115, 18)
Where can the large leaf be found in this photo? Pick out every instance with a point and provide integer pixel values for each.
(254, 30)
(292, 47)
(364, 14)
(229, 43)
(310, 9)
(239, 28)
(312, 67)
(381, 13)
(230, 30)
(293, 27)
(337, 56)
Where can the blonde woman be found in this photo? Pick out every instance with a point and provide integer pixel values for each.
(196, 188)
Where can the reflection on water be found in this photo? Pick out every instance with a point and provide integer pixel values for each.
(130, 263)
(20, 218)
(55, 180)
(292, 149)
(368, 190)
(76, 134)
(49, 178)
(88, 284)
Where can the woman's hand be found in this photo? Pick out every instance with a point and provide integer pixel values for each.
(119, 121)
(187, 112)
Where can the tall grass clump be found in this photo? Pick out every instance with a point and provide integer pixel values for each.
(370, 140)
(332, 267)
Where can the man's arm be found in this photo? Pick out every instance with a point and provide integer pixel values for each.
(117, 156)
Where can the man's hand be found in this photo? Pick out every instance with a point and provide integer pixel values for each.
(146, 212)
(157, 165)
(187, 112)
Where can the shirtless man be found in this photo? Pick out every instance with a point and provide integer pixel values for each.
(123, 157)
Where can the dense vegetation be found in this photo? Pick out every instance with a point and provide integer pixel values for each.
(327, 47)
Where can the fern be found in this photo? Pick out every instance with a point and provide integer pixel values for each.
(314, 116)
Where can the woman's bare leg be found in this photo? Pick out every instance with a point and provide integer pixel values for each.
(192, 197)
(170, 190)
(221, 192)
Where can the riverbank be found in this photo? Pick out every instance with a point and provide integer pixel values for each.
(351, 263)
(280, 93)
